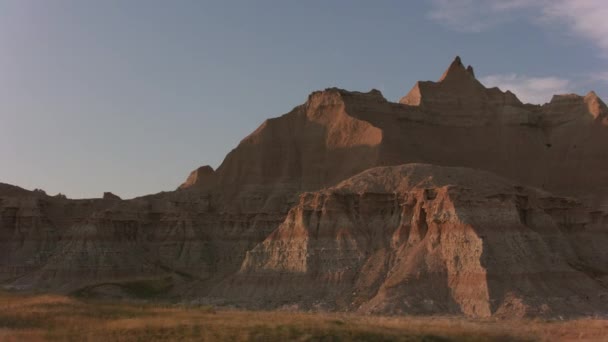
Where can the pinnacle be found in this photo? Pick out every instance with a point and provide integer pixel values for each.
(457, 70)
(471, 71)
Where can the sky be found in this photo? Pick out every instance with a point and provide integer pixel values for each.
(130, 96)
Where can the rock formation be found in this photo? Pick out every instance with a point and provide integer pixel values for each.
(459, 99)
(201, 178)
(458, 123)
(110, 197)
(459, 199)
(425, 239)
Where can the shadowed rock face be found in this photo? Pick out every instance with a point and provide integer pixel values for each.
(299, 213)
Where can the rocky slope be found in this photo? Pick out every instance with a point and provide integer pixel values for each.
(388, 240)
(425, 239)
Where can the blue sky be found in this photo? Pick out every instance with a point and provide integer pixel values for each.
(130, 96)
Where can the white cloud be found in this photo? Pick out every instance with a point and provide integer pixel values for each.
(528, 89)
(583, 18)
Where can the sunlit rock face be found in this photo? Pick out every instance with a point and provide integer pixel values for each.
(424, 239)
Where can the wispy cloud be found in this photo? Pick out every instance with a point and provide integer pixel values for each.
(601, 76)
(477, 15)
(583, 18)
(536, 90)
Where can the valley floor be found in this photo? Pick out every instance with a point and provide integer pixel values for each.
(52, 317)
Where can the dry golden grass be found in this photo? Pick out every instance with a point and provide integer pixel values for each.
(48, 317)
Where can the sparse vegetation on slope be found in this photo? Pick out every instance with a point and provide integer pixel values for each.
(50, 317)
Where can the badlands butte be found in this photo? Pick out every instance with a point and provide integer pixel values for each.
(459, 199)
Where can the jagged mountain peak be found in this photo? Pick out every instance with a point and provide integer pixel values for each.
(457, 71)
(459, 95)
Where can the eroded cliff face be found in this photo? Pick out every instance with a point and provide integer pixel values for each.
(27, 236)
(277, 222)
(426, 239)
(65, 245)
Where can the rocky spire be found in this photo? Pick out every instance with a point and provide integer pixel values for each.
(458, 94)
(471, 71)
(456, 70)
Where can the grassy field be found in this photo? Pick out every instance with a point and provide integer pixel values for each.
(58, 318)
